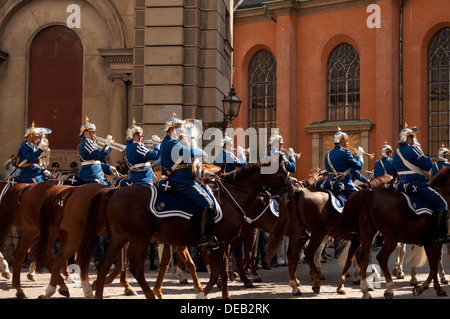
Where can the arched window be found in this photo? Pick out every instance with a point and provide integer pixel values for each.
(438, 91)
(262, 88)
(343, 83)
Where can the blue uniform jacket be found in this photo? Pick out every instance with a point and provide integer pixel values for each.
(31, 168)
(415, 156)
(138, 159)
(342, 160)
(384, 166)
(289, 162)
(91, 159)
(173, 151)
(231, 161)
(438, 166)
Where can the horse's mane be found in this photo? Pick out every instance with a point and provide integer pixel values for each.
(440, 180)
(243, 171)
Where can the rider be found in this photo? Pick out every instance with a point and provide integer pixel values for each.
(341, 165)
(412, 167)
(29, 152)
(138, 157)
(175, 159)
(91, 158)
(226, 156)
(276, 144)
(385, 165)
(443, 155)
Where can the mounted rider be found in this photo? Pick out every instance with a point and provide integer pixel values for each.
(341, 165)
(138, 156)
(175, 162)
(385, 165)
(276, 146)
(443, 155)
(93, 167)
(226, 156)
(29, 152)
(413, 167)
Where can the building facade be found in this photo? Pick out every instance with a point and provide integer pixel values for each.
(367, 67)
(110, 61)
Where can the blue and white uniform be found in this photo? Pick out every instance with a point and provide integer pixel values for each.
(92, 165)
(30, 171)
(138, 158)
(384, 166)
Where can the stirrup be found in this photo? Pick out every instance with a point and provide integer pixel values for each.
(444, 239)
(210, 244)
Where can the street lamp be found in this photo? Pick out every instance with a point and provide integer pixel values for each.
(231, 105)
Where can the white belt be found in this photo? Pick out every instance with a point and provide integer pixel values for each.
(407, 173)
(138, 166)
(91, 162)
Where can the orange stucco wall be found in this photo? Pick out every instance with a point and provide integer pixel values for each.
(301, 45)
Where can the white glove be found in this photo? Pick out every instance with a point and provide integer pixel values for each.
(114, 171)
(240, 153)
(43, 144)
(359, 151)
(290, 152)
(156, 139)
(109, 140)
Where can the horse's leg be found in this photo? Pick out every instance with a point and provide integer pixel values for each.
(215, 262)
(129, 291)
(163, 267)
(354, 245)
(4, 267)
(383, 258)
(179, 272)
(240, 264)
(19, 255)
(224, 272)
(433, 252)
(293, 255)
(318, 257)
(190, 266)
(362, 257)
(441, 269)
(310, 252)
(413, 281)
(250, 252)
(400, 250)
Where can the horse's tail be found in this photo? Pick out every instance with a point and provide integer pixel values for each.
(50, 218)
(96, 211)
(280, 228)
(356, 205)
(8, 207)
(418, 257)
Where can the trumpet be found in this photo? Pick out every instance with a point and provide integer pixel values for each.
(100, 141)
(367, 154)
(296, 155)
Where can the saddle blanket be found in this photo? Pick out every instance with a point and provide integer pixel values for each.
(273, 204)
(337, 201)
(174, 205)
(417, 205)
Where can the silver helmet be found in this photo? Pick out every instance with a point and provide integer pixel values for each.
(87, 126)
(385, 149)
(173, 122)
(443, 153)
(405, 132)
(340, 135)
(133, 129)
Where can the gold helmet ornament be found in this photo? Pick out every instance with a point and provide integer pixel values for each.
(173, 122)
(31, 130)
(443, 153)
(133, 129)
(405, 132)
(340, 135)
(87, 126)
(385, 149)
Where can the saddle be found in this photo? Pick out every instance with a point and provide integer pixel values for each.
(163, 204)
(415, 203)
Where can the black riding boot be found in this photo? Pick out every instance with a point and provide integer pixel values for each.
(443, 237)
(208, 241)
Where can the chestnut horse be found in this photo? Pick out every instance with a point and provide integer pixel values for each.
(64, 213)
(127, 219)
(387, 211)
(20, 207)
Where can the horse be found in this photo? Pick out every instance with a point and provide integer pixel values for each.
(138, 227)
(64, 214)
(387, 211)
(20, 207)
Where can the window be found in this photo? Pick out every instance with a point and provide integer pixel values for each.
(262, 91)
(438, 91)
(343, 83)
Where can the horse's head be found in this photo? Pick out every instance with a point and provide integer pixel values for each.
(279, 183)
(442, 180)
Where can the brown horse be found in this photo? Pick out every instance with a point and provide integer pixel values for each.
(64, 213)
(20, 207)
(387, 211)
(127, 219)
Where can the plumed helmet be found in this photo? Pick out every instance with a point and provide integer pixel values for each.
(226, 140)
(31, 130)
(405, 132)
(133, 129)
(443, 152)
(339, 135)
(385, 149)
(173, 122)
(275, 137)
(87, 126)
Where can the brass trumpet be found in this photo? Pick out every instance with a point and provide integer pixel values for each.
(100, 141)
(296, 155)
(371, 156)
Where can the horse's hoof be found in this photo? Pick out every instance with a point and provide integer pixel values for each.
(444, 281)
(64, 293)
(388, 295)
(441, 292)
(184, 281)
(21, 295)
(400, 276)
(417, 290)
(31, 277)
(6, 275)
(257, 279)
(316, 289)
(201, 296)
(297, 292)
(341, 291)
(413, 282)
(130, 292)
(248, 285)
